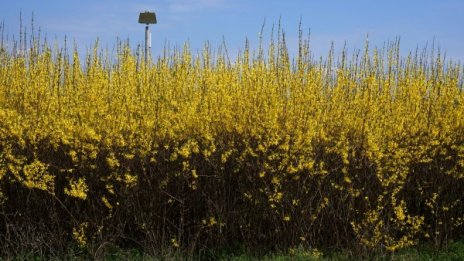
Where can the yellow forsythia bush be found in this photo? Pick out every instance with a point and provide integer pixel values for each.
(200, 151)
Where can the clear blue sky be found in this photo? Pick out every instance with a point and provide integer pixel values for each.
(417, 22)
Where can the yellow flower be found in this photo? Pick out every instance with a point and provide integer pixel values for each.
(77, 188)
(79, 234)
(175, 243)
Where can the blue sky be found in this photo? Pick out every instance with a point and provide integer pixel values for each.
(417, 22)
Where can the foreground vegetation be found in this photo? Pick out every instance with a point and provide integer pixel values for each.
(198, 153)
(454, 251)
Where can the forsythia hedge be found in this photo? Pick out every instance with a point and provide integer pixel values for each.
(198, 151)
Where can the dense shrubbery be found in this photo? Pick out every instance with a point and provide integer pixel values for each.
(199, 152)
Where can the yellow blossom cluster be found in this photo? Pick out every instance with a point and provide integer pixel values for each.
(368, 148)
